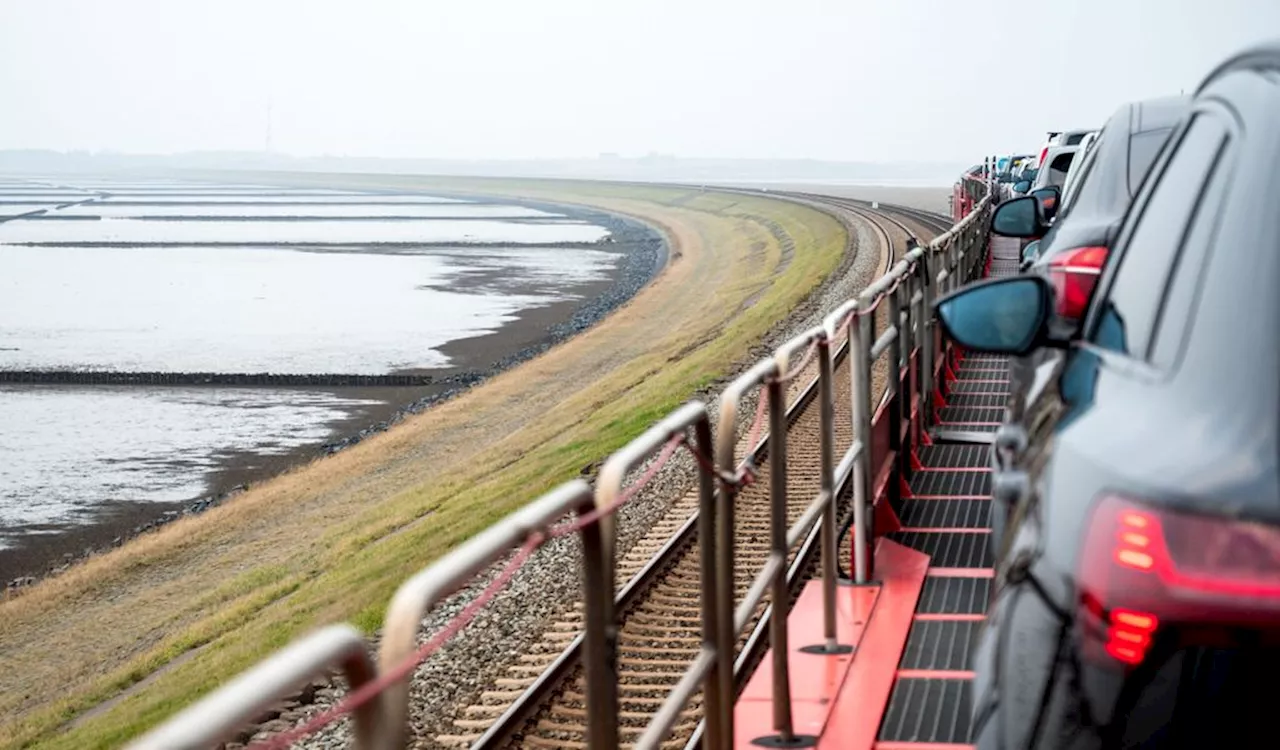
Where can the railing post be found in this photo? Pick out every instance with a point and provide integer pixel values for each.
(951, 256)
(894, 386)
(726, 461)
(600, 640)
(862, 427)
(830, 547)
(818, 341)
(908, 345)
(859, 385)
(778, 545)
(717, 687)
(926, 340)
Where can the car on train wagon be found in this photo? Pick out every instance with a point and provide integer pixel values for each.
(1103, 180)
(1071, 233)
(1061, 138)
(1075, 170)
(1137, 593)
(1053, 170)
(1049, 196)
(1023, 174)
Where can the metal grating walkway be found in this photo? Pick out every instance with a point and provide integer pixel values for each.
(929, 711)
(940, 645)
(950, 549)
(946, 513)
(963, 513)
(954, 596)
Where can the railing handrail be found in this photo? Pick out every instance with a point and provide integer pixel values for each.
(216, 717)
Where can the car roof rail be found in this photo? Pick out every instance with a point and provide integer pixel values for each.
(1258, 57)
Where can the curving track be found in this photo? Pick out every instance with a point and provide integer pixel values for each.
(540, 703)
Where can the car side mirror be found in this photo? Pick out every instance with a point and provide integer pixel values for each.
(1001, 316)
(1021, 186)
(1048, 197)
(1019, 217)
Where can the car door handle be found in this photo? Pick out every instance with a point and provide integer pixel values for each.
(1009, 443)
(1010, 487)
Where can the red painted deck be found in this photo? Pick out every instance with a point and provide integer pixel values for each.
(839, 698)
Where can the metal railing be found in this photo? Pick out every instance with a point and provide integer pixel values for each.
(910, 347)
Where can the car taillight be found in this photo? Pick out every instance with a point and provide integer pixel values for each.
(1143, 567)
(1074, 274)
(1040, 159)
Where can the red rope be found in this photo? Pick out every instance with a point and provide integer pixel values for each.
(844, 325)
(804, 362)
(373, 688)
(625, 496)
(709, 467)
(753, 435)
(536, 539)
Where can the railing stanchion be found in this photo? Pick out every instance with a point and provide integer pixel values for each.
(857, 387)
(600, 637)
(778, 548)
(927, 349)
(827, 421)
(893, 386)
(726, 462)
(862, 421)
(717, 686)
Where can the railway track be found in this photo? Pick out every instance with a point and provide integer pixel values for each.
(540, 701)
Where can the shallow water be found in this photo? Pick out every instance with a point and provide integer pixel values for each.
(278, 197)
(316, 295)
(337, 210)
(318, 232)
(246, 309)
(67, 451)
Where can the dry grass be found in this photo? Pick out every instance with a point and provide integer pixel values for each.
(332, 540)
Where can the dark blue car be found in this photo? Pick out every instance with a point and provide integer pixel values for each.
(1137, 591)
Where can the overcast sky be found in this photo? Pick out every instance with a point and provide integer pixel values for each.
(865, 80)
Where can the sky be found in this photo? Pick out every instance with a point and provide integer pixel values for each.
(859, 80)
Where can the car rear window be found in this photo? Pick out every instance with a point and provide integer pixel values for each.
(1058, 168)
(1143, 150)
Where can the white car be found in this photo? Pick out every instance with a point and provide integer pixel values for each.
(1062, 138)
(1054, 165)
(1077, 166)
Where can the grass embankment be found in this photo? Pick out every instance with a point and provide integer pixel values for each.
(185, 608)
